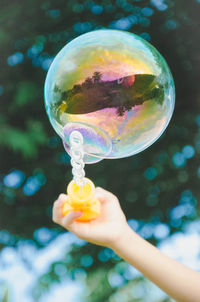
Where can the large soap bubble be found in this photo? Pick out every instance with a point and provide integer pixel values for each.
(113, 87)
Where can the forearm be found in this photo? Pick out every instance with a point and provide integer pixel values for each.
(177, 280)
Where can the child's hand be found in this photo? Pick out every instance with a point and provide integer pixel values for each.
(104, 230)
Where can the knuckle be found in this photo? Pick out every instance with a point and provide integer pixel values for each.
(56, 203)
(114, 197)
(99, 189)
(106, 194)
(62, 196)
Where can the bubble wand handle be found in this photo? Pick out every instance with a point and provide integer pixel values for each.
(81, 190)
(77, 153)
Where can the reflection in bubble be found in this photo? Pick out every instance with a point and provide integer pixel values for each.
(114, 83)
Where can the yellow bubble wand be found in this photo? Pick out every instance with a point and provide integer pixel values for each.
(81, 190)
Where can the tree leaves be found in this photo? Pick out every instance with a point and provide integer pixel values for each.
(25, 141)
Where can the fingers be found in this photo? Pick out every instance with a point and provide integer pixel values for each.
(105, 196)
(69, 219)
(57, 208)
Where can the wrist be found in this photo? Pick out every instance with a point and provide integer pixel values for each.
(125, 236)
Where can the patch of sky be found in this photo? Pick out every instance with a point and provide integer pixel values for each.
(57, 292)
(44, 235)
(190, 227)
(161, 231)
(134, 224)
(115, 280)
(131, 273)
(182, 210)
(39, 260)
(183, 247)
(146, 231)
(60, 270)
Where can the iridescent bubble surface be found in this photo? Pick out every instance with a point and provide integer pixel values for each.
(113, 87)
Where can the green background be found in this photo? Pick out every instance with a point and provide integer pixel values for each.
(159, 186)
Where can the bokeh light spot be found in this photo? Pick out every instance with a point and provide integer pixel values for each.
(171, 24)
(43, 235)
(14, 179)
(161, 231)
(159, 4)
(115, 280)
(31, 186)
(60, 269)
(188, 151)
(150, 173)
(147, 11)
(15, 59)
(86, 260)
(97, 9)
(145, 36)
(82, 27)
(178, 159)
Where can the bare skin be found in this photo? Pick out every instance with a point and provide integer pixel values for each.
(111, 229)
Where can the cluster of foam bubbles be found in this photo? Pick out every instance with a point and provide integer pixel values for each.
(113, 87)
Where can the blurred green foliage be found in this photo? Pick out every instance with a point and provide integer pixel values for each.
(34, 167)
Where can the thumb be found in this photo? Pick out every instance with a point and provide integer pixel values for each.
(70, 217)
(104, 196)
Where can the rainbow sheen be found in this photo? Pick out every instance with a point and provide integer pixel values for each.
(113, 87)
